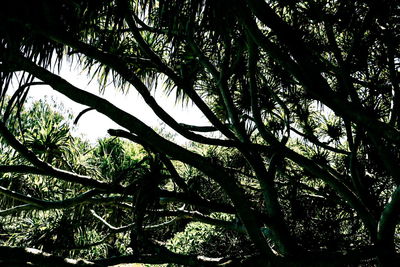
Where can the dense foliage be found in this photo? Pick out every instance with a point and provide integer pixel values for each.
(299, 164)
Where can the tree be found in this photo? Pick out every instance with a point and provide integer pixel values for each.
(302, 98)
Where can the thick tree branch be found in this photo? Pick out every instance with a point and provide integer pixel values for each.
(387, 223)
(266, 178)
(17, 256)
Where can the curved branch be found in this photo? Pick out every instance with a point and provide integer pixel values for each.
(313, 139)
(20, 91)
(111, 227)
(81, 114)
(39, 204)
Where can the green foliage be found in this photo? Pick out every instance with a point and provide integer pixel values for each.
(66, 232)
(209, 240)
(193, 239)
(300, 153)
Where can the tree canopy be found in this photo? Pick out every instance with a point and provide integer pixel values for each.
(299, 164)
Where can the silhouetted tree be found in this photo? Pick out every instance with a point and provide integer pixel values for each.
(302, 98)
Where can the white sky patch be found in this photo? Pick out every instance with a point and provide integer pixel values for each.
(94, 125)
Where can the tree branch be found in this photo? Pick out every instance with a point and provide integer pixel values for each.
(18, 256)
(39, 204)
(388, 222)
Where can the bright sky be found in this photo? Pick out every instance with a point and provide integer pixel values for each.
(95, 125)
